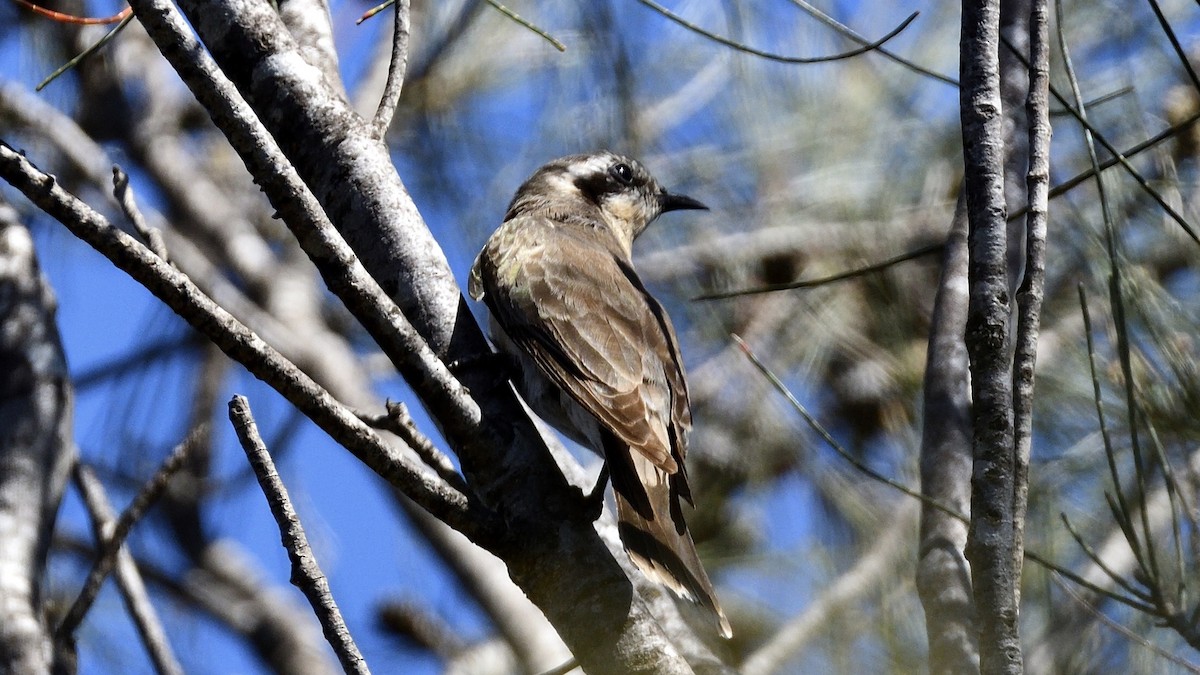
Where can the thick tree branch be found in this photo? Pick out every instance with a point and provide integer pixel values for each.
(310, 25)
(990, 539)
(302, 213)
(36, 450)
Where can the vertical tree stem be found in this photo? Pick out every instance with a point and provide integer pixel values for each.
(1029, 296)
(990, 540)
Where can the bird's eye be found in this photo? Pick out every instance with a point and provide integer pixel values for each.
(622, 173)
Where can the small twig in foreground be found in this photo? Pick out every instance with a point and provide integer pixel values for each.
(397, 67)
(306, 573)
(87, 52)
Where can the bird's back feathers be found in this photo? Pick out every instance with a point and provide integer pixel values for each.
(557, 279)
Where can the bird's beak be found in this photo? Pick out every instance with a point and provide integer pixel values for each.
(674, 202)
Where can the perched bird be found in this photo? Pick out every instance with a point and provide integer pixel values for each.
(598, 357)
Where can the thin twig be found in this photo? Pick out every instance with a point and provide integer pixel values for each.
(1179, 52)
(144, 354)
(840, 276)
(1032, 289)
(107, 557)
(129, 579)
(825, 435)
(849, 33)
(370, 13)
(1068, 574)
(398, 421)
(520, 20)
(1174, 501)
(1109, 452)
(1116, 299)
(562, 668)
(1055, 192)
(1095, 558)
(1127, 633)
(828, 438)
(769, 55)
(87, 52)
(1092, 133)
(397, 66)
(306, 573)
(123, 192)
(527, 24)
(1023, 212)
(63, 17)
(1091, 103)
(1165, 134)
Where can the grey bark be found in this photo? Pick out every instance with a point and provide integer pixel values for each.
(995, 138)
(36, 450)
(943, 573)
(990, 536)
(1031, 291)
(534, 644)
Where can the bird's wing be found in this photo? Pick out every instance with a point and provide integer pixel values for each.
(586, 319)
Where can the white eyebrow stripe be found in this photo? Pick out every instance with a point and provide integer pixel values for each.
(593, 165)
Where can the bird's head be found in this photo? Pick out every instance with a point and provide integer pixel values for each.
(618, 189)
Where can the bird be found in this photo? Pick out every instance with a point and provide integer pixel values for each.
(595, 353)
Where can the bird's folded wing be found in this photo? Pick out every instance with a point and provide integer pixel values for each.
(592, 328)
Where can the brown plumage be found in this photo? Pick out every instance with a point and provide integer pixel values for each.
(599, 357)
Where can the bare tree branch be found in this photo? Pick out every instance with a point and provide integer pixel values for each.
(943, 573)
(352, 175)
(309, 24)
(990, 538)
(397, 65)
(36, 449)
(106, 558)
(133, 589)
(771, 56)
(306, 573)
(1031, 292)
(337, 263)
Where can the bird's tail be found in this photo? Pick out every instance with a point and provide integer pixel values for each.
(650, 522)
